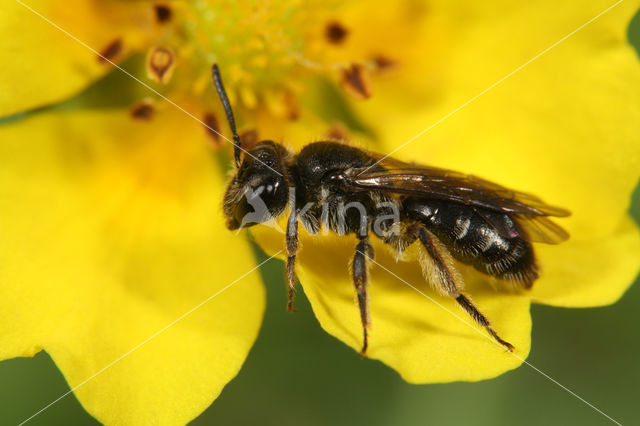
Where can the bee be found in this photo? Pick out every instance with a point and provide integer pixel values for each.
(451, 216)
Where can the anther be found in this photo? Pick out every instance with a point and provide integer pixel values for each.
(338, 131)
(335, 32)
(248, 138)
(163, 13)
(142, 111)
(111, 51)
(292, 106)
(212, 127)
(384, 63)
(355, 81)
(160, 64)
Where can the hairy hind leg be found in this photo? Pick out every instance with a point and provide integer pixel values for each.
(439, 267)
(292, 250)
(364, 251)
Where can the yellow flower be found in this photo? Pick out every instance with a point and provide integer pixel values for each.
(111, 231)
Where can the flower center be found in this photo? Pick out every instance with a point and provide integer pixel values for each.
(268, 53)
(257, 44)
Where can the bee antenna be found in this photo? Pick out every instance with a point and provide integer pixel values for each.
(222, 94)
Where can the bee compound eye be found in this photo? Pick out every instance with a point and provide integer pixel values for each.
(261, 202)
(271, 188)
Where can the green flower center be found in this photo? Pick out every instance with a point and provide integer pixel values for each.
(258, 45)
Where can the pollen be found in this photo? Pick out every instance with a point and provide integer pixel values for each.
(267, 52)
(248, 96)
(282, 104)
(259, 46)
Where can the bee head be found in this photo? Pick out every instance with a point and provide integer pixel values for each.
(258, 191)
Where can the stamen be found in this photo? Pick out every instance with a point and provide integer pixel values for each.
(356, 82)
(211, 124)
(335, 32)
(160, 64)
(142, 111)
(248, 97)
(338, 131)
(293, 108)
(384, 63)
(248, 138)
(111, 51)
(163, 13)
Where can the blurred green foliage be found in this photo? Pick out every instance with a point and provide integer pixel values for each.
(296, 374)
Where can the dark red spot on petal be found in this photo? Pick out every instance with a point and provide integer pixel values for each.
(355, 81)
(142, 111)
(212, 126)
(111, 51)
(163, 13)
(335, 32)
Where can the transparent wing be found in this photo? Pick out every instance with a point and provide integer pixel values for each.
(530, 212)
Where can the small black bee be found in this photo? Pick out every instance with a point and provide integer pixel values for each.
(451, 216)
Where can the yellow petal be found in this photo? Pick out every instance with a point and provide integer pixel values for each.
(112, 230)
(42, 64)
(425, 340)
(564, 127)
(589, 273)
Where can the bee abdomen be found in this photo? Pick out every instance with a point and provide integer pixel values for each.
(489, 241)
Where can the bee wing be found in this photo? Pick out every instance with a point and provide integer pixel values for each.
(529, 211)
(542, 230)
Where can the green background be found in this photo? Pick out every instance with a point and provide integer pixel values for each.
(296, 374)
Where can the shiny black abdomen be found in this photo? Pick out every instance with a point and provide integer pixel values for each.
(491, 242)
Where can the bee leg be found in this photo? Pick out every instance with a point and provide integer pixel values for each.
(292, 249)
(364, 251)
(441, 269)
